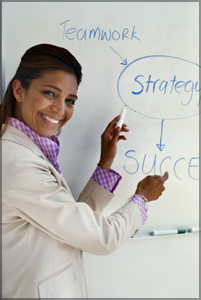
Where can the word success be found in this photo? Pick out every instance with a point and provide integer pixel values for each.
(179, 167)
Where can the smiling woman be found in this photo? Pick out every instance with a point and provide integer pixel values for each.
(48, 102)
(38, 66)
(44, 230)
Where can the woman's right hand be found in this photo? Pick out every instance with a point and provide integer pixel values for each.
(151, 187)
(109, 140)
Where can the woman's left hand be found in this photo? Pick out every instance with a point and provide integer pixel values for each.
(109, 140)
(152, 186)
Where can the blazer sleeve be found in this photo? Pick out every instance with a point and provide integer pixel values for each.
(35, 195)
(95, 196)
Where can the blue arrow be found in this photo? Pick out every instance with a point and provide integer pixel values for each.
(124, 61)
(161, 146)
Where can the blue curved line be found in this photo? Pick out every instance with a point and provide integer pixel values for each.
(149, 57)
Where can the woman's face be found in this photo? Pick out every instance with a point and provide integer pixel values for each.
(48, 103)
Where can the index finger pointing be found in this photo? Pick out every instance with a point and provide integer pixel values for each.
(165, 177)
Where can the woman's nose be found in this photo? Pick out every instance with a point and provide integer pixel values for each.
(58, 107)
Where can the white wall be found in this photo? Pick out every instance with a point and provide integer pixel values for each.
(166, 36)
(156, 267)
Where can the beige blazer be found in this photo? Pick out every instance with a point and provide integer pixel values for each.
(45, 230)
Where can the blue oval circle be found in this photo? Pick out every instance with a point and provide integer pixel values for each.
(177, 86)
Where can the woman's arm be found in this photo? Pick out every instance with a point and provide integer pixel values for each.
(150, 187)
(33, 194)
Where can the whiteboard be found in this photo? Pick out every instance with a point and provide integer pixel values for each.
(144, 55)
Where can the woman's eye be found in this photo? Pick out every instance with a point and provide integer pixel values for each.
(71, 101)
(49, 93)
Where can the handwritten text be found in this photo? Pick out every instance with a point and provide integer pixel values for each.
(192, 165)
(81, 34)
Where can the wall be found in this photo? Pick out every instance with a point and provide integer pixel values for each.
(144, 55)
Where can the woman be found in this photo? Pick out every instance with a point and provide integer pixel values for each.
(44, 229)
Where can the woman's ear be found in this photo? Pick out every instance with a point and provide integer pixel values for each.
(18, 90)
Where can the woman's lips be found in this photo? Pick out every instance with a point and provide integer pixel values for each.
(49, 121)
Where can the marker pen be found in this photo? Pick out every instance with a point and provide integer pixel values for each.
(195, 229)
(121, 120)
(170, 231)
